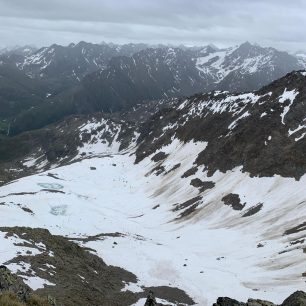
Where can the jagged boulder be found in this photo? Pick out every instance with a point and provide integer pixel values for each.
(225, 301)
(252, 302)
(298, 298)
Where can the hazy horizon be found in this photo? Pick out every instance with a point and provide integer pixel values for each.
(12, 47)
(274, 23)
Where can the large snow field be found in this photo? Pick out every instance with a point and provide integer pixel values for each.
(212, 252)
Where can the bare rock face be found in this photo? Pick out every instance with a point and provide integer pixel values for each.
(262, 131)
(233, 200)
(202, 185)
(252, 302)
(13, 283)
(225, 301)
(100, 284)
(296, 299)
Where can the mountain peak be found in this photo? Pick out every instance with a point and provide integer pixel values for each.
(246, 45)
(214, 47)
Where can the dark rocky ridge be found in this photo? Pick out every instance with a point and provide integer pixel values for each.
(296, 299)
(18, 92)
(260, 143)
(81, 277)
(14, 292)
(13, 283)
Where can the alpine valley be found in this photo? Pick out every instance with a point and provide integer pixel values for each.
(129, 168)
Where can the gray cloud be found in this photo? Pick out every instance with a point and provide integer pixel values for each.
(277, 23)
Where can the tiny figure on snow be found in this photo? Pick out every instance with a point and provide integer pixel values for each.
(150, 299)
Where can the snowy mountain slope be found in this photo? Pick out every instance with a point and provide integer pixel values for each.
(301, 55)
(217, 240)
(214, 205)
(264, 131)
(19, 50)
(246, 67)
(69, 64)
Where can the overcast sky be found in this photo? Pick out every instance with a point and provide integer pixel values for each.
(277, 23)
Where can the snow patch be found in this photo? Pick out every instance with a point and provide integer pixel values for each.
(287, 96)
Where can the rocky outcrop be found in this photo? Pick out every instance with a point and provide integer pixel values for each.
(263, 132)
(234, 201)
(79, 276)
(225, 301)
(12, 283)
(296, 299)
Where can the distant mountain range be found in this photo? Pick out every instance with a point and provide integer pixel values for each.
(86, 78)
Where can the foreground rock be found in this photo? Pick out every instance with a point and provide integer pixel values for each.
(13, 283)
(296, 299)
(73, 275)
(14, 292)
